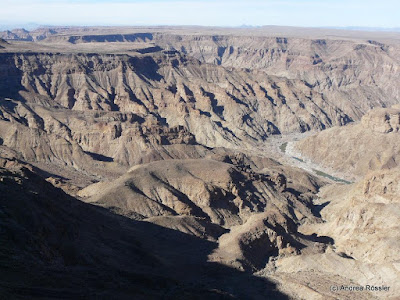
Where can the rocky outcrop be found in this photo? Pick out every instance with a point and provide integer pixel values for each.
(165, 137)
(120, 107)
(210, 105)
(72, 246)
(3, 43)
(382, 120)
(383, 186)
(362, 71)
(254, 207)
(341, 68)
(111, 38)
(9, 35)
(22, 34)
(263, 237)
(353, 150)
(159, 83)
(334, 64)
(362, 220)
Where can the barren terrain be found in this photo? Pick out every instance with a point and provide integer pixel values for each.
(176, 163)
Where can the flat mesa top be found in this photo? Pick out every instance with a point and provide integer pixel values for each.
(122, 39)
(269, 31)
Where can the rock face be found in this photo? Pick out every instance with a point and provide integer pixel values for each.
(3, 43)
(372, 144)
(159, 82)
(362, 219)
(71, 246)
(22, 34)
(382, 120)
(218, 195)
(340, 68)
(372, 220)
(120, 107)
(223, 213)
(147, 165)
(384, 186)
(219, 96)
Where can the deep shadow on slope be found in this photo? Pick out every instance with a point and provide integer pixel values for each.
(54, 246)
(10, 77)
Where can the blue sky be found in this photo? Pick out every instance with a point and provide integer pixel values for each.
(313, 13)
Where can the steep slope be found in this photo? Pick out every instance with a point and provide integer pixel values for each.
(372, 144)
(214, 190)
(363, 221)
(54, 246)
(364, 72)
(357, 73)
(372, 220)
(128, 105)
(354, 70)
(19, 34)
(213, 198)
(3, 43)
(161, 140)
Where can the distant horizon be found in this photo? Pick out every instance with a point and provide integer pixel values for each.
(32, 27)
(382, 15)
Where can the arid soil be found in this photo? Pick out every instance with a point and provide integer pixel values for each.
(199, 163)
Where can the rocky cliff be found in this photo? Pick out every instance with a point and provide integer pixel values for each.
(354, 73)
(147, 164)
(346, 72)
(371, 144)
(119, 106)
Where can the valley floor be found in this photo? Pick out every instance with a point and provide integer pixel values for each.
(170, 165)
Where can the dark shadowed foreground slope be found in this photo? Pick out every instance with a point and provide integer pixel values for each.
(54, 246)
(176, 157)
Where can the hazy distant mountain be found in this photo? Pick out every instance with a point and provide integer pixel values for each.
(11, 26)
(361, 28)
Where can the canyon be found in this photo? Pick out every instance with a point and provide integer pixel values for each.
(184, 162)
